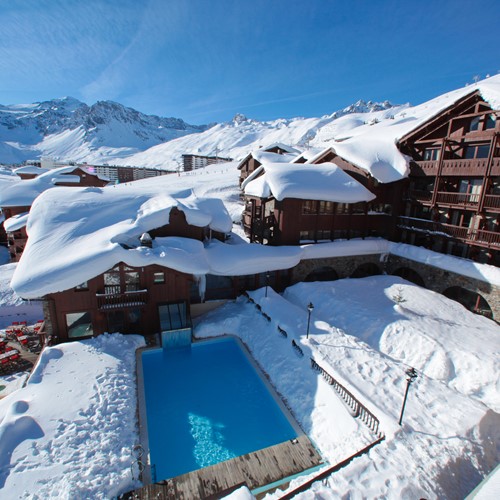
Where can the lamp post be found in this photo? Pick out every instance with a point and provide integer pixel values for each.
(412, 375)
(267, 280)
(310, 308)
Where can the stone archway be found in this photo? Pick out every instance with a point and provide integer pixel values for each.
(409, 275)
(366, 269)
(472, 301)
(324, 273)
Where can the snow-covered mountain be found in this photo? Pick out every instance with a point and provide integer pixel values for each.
(107, 132)
(236, 138)
(71, 130)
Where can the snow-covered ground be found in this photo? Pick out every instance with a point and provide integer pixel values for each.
(12, 307)
(365, 332)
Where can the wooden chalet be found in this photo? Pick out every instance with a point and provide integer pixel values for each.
(253, 160)
(126, 299)
(77, 177)
(292, 221)
(452, 201)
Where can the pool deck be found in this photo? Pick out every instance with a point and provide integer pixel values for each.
(256, 469)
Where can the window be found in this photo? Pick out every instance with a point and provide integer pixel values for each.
(173, 316)
(121, 279)
(324, 234)
(325, 208)
(158, 278)
(474, 124)
(82, 286)
(309, 207)
(489, 122)
(306, 235)
(342, 208)
(477, 151)
(131, 281)
(79, 325)
(431, 154)
(358, 208)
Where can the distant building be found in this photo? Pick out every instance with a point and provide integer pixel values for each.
(193, 162)
(122, 174)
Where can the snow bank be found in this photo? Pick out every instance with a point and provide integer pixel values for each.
(70, 432)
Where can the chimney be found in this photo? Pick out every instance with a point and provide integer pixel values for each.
(146, 240)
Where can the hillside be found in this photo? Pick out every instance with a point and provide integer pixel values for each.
(107, 132)
(71, 130)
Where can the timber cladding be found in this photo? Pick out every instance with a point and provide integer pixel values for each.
(125, 307)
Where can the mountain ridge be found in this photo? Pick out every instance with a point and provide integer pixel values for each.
(109, 132)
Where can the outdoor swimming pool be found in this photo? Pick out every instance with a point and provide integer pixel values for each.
(206, 404)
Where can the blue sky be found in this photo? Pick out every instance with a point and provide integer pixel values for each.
(206, 60)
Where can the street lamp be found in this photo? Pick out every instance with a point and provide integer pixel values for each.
(412, 375)
(310, 308)
(267, 280)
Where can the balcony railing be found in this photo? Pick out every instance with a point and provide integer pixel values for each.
(492, 201)
(134, 298)
(460, 166)
(446, 198)
(479, 237)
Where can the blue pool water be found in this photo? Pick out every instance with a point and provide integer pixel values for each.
(206, 404)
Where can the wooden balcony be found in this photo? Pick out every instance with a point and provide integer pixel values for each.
(480, 237)
(136, 298)
(463, 199)
(461, 167)
(492, 202)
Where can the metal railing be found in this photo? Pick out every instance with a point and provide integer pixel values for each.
(118, 300)
(482, 237)
(359, 410)
(327, 473)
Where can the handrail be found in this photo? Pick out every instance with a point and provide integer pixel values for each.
(335, 468)
(358, 408)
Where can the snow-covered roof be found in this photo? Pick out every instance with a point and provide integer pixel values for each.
(78, 233)
(325, 181)
(263, 155)
(284, 147)
(16, 222)
(373, 146)
(30, 169)
(24, 192)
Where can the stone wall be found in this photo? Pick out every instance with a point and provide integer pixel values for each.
(344, 266)
(439, 280)
(434, 278)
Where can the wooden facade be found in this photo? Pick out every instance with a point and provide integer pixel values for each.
(16, 240)
(452, 202)
(131, 300)
(249, 164)
(124, 299)
(292, 221)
